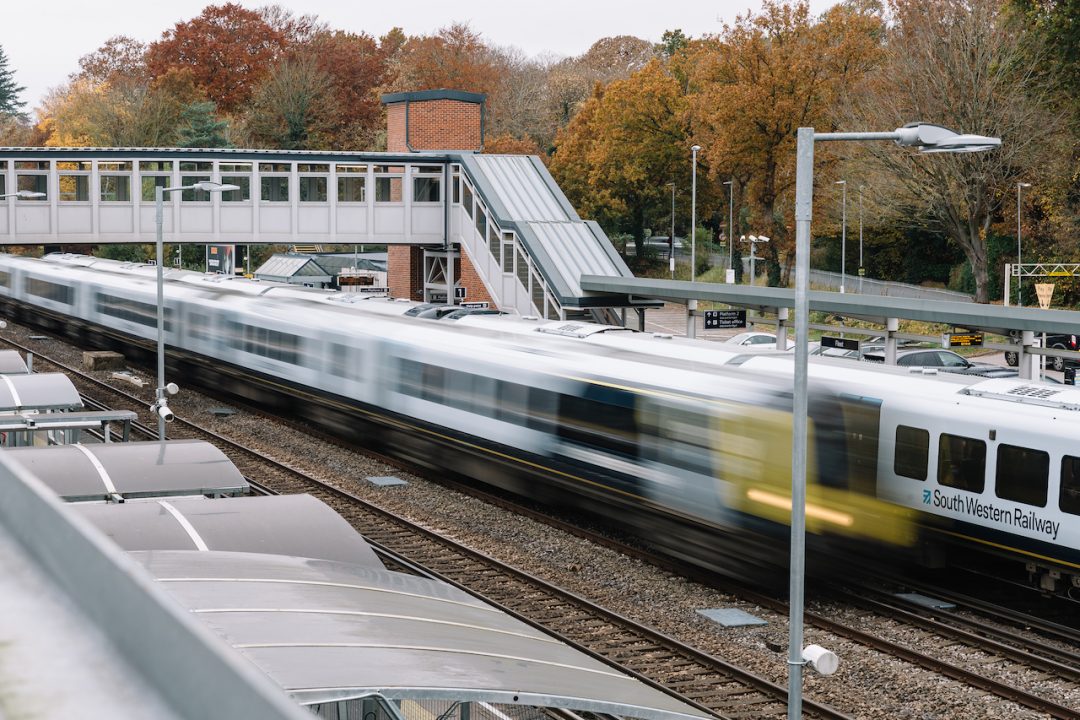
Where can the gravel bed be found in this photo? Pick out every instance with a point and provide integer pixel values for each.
(869, 684)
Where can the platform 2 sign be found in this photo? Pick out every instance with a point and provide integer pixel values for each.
(724, 319)
(962, 340)
(840, 343)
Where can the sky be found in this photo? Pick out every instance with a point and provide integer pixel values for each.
(44, 47)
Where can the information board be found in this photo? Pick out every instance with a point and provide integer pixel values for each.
(962, 340)
(839, 342)
(724, 319)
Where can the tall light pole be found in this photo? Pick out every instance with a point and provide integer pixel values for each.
(1019, 297)
(861, 270)
(928, 138)
(843, 236)
(731, 226)
(693, 213)
(161, 403)
(671, 239)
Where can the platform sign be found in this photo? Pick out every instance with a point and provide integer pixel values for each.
(474, 305)
(724, 319)
(437, 298)
(220, 259)
(840, 343)
(962, 340)
(460, 292)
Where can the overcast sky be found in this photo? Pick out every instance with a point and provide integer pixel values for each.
(44, 43)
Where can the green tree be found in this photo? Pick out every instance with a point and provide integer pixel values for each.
(10, 104)
(293, 108)
(201, 128)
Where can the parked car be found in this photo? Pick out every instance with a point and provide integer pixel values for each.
(760, 340)
(940, 359)
(1058, 342)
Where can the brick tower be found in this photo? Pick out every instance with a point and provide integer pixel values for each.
(431, 120)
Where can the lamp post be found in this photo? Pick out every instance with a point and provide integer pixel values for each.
(861, 270)
(731, 227)
(161, 403)
(843, 236)
(1019, 297)
(693, 213)
(928, 138)
(671, 238)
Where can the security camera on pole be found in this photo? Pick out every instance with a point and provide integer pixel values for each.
(753, 240)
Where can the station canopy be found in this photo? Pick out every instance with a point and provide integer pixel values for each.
(12, 363)
(296, 525)
(44, 392)
(331, 632)
(125, 471)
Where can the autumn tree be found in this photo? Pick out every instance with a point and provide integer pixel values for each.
(292, 109)
(617, 155)
(356, 66)
(10, 104)
(960, 64)
(228, 49)
(571, 81)
(456, 57)
(760, 80)
(121, 59)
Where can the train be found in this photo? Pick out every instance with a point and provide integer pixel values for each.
(682, 443)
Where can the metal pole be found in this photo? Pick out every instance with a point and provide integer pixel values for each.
(753, 257)
(861, 271)
(731, 223)
(159, 394)
(693, 214)
(1019, 267)
(843, 237)
(672, 230)
(804, 200)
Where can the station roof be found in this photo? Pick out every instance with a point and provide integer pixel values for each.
(873, 308)
(108, 471)
(524, 197)
(295, 525)
(44, 391)
(281, 267)
(12, 363)
(329, 631)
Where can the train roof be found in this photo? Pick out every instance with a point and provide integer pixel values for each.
(295, 525)
(328, 631)
(124, 471)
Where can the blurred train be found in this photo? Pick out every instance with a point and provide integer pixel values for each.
(683, 443)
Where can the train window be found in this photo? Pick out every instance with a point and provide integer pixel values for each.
(421, 380)
(512, 402)
(49, 290)
(912, 452)
(344, 362)
(263, 341)
(602, 418)
(1022, 475)
(962, 463)
(130, 310)
(199, 326)
(677, 437)
(5, 279)
(1069, 500)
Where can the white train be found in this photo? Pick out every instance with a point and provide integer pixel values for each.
(680, 441)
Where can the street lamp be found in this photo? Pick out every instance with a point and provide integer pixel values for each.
(731, 227)
(23, 194)
(161, 404)
(693, 214)
(1019, 297)
(928, 138)
(843, 237)
(671, 239)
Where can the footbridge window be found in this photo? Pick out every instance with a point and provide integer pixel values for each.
(388, 181)
(115, 181)
(33, 176)
(313, 180)
(427, 183)
(351, 183)
(201, 173)
(238, 174)
(274, 181)
(153, 175)
(74, 179)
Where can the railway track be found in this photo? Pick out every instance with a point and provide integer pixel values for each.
(662, 661)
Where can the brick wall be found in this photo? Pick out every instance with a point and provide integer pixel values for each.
(434, 125)
(475, 291)
(405, 271)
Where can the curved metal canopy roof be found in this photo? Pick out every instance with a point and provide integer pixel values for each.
(329, 631)
(298, 525)
(114, 471)
(44, 391)
(12, 363)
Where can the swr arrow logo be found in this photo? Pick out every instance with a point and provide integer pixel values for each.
(926, 497)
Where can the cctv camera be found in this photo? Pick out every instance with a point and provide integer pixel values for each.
(822, 660)
(165, 413)
(172, 388)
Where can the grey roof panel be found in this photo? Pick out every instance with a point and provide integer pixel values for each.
(524, 194)
(44, 391)
(100, 471)
(327, 631)
(297, 525)
(285, 266)
(11, 362)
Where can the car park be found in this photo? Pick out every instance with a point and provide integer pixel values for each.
(1055, 341)
(940, 359)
